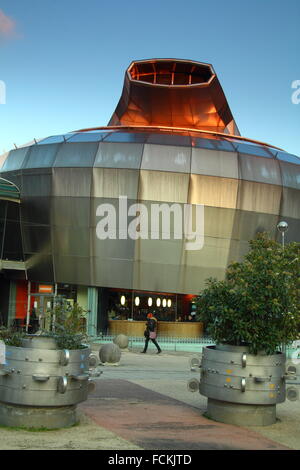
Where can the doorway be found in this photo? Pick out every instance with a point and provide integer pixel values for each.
(41, 316)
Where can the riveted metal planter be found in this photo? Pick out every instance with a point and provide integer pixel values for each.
(39, 376)
(242, 388)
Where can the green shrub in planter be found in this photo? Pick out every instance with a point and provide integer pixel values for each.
(67, 327)
(250, 315)
(11, 337)
(258, 303)
(46, 374)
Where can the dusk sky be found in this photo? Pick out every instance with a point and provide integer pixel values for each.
(63, 62)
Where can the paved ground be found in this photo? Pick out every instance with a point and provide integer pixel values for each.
(143, 403)
(155, 421)
(167, 374)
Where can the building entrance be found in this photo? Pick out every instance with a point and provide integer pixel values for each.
(41, 316)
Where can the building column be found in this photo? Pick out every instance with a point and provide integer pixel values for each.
(82, 297)
(103, 325)
(12, 302)
(92, 311)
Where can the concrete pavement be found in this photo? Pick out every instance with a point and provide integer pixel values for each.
(145, 400)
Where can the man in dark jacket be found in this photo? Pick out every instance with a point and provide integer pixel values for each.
(151, 333)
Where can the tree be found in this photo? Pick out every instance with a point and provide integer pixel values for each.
(258, 303)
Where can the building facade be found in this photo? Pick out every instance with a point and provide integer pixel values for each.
(172, 143)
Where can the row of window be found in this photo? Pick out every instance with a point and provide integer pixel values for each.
(139, 156)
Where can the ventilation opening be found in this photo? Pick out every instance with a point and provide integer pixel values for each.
(171, 72)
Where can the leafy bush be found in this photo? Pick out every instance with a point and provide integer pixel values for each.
(258, 303)
(11, 337)
(67, 326)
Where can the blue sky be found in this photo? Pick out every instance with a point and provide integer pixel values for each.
(63, 61)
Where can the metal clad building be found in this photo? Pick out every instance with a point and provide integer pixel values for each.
(172, 139)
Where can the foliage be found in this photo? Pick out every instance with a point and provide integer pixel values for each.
(258, 303)
(67, 326)
(11, 336)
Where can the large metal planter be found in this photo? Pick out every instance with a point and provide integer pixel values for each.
(242, 388)
(41, 385)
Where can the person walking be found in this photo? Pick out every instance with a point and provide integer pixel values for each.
(151, 333)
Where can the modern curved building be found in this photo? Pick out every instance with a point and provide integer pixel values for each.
(172, 140)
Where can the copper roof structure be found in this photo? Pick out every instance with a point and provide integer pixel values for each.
(174, 96)
(173, 93)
